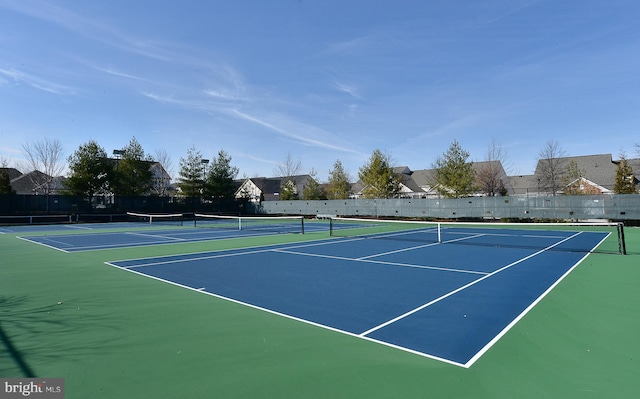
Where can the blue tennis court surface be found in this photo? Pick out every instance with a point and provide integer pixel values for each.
(448, 301)
(133, 236)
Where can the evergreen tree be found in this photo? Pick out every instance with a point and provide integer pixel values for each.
(339, 186)
(454, 176)
(90, 171)
(625, 180)
(133, 171)
(191, 180)
(288, 190)
(220, 177)
(5, 184)
(312, 190)
(378, 178)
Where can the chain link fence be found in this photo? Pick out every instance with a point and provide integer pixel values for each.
(580, 207)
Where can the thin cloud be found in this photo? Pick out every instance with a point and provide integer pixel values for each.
(37, 82)
(349, 89)
(255, 158)
(104, 33)
(348, 45)
(113, 72)
(182, 103)
(286, 133)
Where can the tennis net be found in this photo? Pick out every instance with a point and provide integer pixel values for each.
(570, 236)
(35, 219)
(267, 224)
(175, 219)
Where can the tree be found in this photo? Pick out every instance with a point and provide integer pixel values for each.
(161, 183)
(378, 178)
(287, 171)
(46, 157)
(490, 174)
(312, 189)
(625, 180)
(5, 181)
(551, 168)
(5, 184)
(90, 171)
(339, 186)
(219, 182)
(133, 171)
(573, 180)
(454, 175)
(191, 180)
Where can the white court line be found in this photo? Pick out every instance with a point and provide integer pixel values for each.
(524, 312)
(419, 246)
(419, 308)
(155, 236)
(79, 227)
(362, 335)
(217, 255)
(43, 244)
(286, 251)
(288, 316)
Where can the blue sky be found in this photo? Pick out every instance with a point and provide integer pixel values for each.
(322, 80)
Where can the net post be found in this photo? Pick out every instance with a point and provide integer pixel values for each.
(622, 247)
(330, 227)
(439, 233)
(302, 223)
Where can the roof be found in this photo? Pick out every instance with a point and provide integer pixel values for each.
(600, 168)
(11, 172)
(524, 184)
(34, 183)
(270, 186)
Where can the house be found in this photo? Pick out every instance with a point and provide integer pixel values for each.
(598, 175)
(161, 181)
(11, 172)
(37, 183)
(422, 183)
(258, 189)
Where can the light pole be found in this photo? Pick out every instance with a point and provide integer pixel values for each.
(204, 163)
(115, 183)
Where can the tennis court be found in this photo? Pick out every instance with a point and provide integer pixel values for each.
(371, 309)
(415, 297)
(131, 234)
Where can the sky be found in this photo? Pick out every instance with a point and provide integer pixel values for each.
(321, 80)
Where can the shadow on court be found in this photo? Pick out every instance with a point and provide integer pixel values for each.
(32, 334)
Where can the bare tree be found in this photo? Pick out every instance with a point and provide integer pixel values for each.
(491, 174)
(288, 170)
(45, 159)
(289, 167)
(551, 168)
(161, 182)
